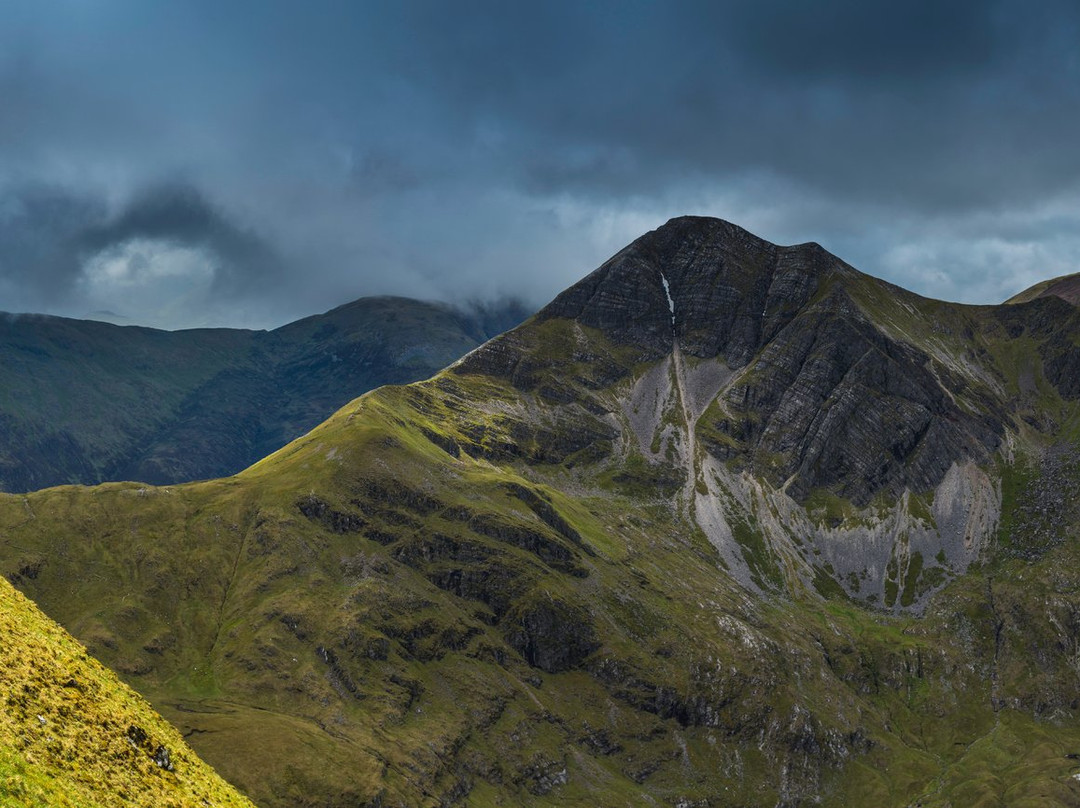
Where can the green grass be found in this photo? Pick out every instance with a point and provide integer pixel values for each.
(1019, 762)
(72, 735)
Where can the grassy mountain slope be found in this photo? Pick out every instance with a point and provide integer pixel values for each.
(72, 735)
(1067, 287)
(84, 401)
(622, 555)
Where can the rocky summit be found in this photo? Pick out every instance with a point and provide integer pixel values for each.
(726, 523)
(780, 380)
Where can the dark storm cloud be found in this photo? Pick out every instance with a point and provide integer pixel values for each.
(941, 104)
(482, 148)
(40, 230)
(860, 42)
(178, 214)
(49, 235)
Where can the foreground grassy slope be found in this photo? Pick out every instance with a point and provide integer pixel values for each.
(72, 735)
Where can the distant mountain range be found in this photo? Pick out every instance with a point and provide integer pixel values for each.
(725, 524)
(83, 401)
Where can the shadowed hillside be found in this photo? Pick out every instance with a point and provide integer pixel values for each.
(85, 402)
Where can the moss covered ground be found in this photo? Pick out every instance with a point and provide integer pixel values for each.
(72, 735)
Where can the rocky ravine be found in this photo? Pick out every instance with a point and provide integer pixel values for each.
(861, 452)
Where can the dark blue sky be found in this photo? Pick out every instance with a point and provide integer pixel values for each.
(247, 163)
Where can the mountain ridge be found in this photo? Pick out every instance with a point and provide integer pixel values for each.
(1067, 287)
(87, 402)
(586, 564)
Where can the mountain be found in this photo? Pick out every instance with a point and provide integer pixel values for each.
(1067, 287)
(85, 401)
(726, 523)
(73, 736)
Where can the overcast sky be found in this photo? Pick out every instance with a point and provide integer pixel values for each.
(247, 163)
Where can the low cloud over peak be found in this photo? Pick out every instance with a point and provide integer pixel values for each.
(165, 255)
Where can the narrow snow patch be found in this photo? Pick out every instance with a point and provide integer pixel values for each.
(670, 302)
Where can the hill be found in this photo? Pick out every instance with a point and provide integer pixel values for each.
(727, 523)
(86, 401)
(1067, 287)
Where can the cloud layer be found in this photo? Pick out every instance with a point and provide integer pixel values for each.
(250, 162)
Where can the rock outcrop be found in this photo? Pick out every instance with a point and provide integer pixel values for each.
(782, 372)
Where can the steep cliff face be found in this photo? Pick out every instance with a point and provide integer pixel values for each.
(779, 389)
(713, 287)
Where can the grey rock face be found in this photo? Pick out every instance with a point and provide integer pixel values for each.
(552, 635)
(731, 291)
(826, 399)
(833, 403)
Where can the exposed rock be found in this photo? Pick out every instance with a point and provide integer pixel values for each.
(139, 739)
(550, 634)
(544, 776)
(730, 290)
(833, 403)
(319, 510)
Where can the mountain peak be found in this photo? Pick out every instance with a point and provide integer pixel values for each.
(783, 361)
(717, 288)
